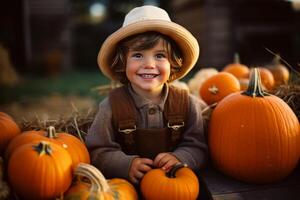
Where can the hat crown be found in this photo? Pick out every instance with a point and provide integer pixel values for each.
(145, 13)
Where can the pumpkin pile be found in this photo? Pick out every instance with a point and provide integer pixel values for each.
(242, 73)
(254, 136)
(72, 144)
(45, 165)
(49, 161)
(46, 159)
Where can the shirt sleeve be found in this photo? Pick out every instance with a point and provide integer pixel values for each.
(193, 149)
(105, 152)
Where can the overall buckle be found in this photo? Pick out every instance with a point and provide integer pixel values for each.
(176, 126)
(128, 130)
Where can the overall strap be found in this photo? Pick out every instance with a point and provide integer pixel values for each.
(123, 113)
(176, 111)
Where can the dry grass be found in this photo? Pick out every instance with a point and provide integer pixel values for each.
(72, 114)
(76, 123)
(291, 95)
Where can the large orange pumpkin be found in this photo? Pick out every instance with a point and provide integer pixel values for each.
(72, 144)
(177, 184)
(40, 170)
(91, 184)
(254, 136)
(237, 69)
(218, 86)
(8, 130)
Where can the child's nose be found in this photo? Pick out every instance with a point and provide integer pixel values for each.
(149, 62)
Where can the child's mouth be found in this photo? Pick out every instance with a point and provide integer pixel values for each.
(148, 76)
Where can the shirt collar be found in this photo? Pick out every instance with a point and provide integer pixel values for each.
(141, 101)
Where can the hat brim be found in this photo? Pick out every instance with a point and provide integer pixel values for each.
(183, 38)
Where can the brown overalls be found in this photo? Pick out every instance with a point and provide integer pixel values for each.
(148, 142)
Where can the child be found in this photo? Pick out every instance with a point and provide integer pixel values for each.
(147, 123)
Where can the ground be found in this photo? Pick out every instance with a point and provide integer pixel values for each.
(51, 97)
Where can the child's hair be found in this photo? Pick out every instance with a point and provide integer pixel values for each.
(145, 41)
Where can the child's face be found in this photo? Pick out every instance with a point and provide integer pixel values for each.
(148, 70)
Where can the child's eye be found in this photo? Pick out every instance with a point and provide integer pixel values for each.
(137, 55)
(160, 55)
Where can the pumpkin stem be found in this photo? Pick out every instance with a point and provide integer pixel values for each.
(43, 148)
(51, 132)
(236, 58)
(276, 60)
(98, 181)
(255, 86)
(175, 168)
(213, 89)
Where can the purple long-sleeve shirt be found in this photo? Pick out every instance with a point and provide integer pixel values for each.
(106, 153)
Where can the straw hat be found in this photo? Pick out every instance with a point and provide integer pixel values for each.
(150, 18)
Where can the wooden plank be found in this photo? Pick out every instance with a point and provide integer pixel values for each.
(223, 187)
(289, 193)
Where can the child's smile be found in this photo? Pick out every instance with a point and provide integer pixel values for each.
(148, 76)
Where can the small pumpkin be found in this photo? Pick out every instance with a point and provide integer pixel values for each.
(237, 69)
(254, 136)
(23, 138)
(218, 86)
(244, 83)
(9, 129)
(91, 184)
(40, 170)
(177, 184)
(267, 78)
(280, 72)
(200, 76)
(72, 144)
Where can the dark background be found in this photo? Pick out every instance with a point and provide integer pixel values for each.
(51, 46)
(52, 36)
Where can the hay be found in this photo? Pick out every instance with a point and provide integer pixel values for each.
(291, 95)
(76, 124)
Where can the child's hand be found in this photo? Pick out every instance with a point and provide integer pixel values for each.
(139, 167)
(165, 161)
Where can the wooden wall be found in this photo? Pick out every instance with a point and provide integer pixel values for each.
(41, 34)
(247, 27)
